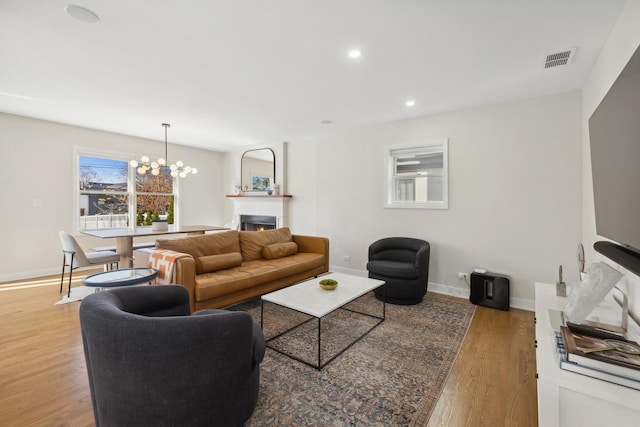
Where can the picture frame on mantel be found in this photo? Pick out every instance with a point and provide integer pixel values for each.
(260, 183)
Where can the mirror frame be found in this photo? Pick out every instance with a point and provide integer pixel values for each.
(242, 183)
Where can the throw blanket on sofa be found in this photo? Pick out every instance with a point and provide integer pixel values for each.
(164, 260)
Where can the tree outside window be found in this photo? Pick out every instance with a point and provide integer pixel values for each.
(154, 197)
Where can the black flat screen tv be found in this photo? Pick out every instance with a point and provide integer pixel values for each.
(614, 133)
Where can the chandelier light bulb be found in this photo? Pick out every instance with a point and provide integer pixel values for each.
(133, 163)
(187, 169)
(194, 171)
(141, 170)
(162, 161)
(183, 174)
(155, 172)
(144, 159)
(155, 165)
(179, 164)
(174, 174)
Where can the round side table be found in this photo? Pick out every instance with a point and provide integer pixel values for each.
(122, 277)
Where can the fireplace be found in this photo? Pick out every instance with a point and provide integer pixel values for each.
(261, 205)
(257, 222)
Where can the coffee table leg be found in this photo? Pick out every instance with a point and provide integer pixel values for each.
(384, 301)
(262, 314)
(319, 333)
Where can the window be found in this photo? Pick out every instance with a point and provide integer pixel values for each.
(417, 176)
(104, 195)
(108, 199)
(154, 197)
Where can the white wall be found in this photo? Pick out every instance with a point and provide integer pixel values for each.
(622, 43)
(514, 192)
(37, 163)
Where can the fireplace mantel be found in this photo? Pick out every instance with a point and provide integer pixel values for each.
(262, 204)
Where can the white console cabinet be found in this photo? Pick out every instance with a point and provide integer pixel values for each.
(568, 399)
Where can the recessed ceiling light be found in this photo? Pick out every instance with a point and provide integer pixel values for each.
(355, 53)
(410, 103)
(82, 14)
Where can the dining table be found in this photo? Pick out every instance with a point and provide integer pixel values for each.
(124, 237)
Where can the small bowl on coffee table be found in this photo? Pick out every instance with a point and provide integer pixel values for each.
(328, 284)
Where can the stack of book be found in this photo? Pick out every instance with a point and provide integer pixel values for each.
(610, 359)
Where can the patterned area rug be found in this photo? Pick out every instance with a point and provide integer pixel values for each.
(392, 377)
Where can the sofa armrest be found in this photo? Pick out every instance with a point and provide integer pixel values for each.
(185, 269)
(313, 244)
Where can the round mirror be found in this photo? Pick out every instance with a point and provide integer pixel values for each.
(258, 169)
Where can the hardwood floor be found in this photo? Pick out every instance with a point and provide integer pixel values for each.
(493, 380)
(43, 380)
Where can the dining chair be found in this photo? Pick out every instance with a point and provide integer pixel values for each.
(75, 257)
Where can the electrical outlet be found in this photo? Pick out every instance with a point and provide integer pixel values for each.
(463, 276)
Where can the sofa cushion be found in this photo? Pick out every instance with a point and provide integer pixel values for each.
(254, 273)
(279, 250)
(204, 244)
(252, 242)
(211, 263)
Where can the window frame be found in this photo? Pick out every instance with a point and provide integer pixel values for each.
(390, 177)
(131, 185)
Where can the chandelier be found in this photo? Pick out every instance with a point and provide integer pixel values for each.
(178, 169)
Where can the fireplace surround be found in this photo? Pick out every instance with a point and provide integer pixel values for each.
(263, 205)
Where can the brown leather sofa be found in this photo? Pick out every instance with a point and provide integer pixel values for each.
(232, 266)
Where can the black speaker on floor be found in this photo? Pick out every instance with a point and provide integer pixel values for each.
(491, 290)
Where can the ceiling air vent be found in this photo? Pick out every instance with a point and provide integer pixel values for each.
(559, 58)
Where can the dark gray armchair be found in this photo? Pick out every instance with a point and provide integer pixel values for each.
(152, 363)
(403, 263)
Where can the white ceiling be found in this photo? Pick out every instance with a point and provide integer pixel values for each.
(233, 73)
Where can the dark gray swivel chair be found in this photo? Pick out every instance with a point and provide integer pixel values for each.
(403, 263)
(152, 363)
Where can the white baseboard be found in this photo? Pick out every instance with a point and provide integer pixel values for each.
(360, 273)
(453, 291)
(31, 274)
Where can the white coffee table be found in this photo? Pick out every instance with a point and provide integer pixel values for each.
(309, 298)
